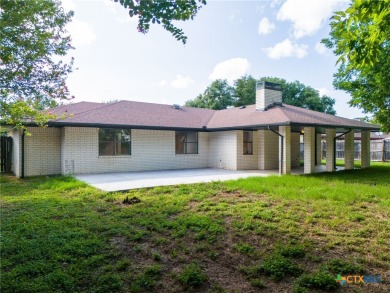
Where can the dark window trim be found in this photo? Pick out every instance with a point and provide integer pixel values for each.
(115, 143)
(245, 143)
(186, 142)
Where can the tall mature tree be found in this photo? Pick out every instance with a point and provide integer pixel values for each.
(217, 96)
(360, 36)
(294, 93)
(164, 13)
(244, 90)
(32, 75)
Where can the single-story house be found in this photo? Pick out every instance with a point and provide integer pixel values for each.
(136, 136)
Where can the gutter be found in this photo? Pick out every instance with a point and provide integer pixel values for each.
(281, 150)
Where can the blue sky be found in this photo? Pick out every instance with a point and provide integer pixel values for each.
(227, 39)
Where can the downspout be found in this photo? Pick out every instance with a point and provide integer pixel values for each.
(334, 147)
(281, 149)
(23, 136)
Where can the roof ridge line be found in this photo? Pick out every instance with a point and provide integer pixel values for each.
(103, 106)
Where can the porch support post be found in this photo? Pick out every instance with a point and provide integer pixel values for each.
(285, 149)
(365, 149)
(318, 149)
(309, 153)
(330, 150)
(349, 150)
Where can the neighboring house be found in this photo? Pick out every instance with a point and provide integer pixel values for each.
(134, 136)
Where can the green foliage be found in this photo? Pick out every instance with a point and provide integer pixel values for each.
(245, 91)
(297, 94)
(217, 96)
(192, 276)
(318, 280)
(60, 235)
(360, 36)
(338, 266)
(164, 13)
(279, 267)
(147, 279)
(244, 248)
(291, 251)
(32, 37)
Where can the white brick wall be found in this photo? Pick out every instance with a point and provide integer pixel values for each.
(330, 155)
(151, 150)
(223, 150)
(268, 150)
(349, 150)
(309, 149)
(286, 132)
(42, 151)
(247, 162)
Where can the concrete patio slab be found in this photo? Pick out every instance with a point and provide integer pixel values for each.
(133, 180)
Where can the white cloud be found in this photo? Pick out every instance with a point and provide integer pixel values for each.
(82, 33)
(320, 48)
(181, 82)
(265, 26)
(230, 69)
(307, 16)
(322, 91)
(286, 49)
(162, 83)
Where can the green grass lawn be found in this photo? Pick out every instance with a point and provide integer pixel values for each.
(274, 234)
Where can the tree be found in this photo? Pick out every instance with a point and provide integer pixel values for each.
(293, 93)
(32, 75)
(360, 36)
(245, 90)
(163, 12)
(217, 96)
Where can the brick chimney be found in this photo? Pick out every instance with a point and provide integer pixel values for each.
(268, 94)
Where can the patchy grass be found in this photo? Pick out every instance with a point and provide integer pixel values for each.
(277, 234)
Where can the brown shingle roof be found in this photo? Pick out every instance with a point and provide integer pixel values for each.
(149, 115)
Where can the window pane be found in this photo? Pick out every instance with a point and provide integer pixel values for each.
(192, 137)
(248, 150)
(106, 148)
(123, 148)
(125, 135)
(248, 136)
(192, 148)
(106, 134)
(180, 139)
